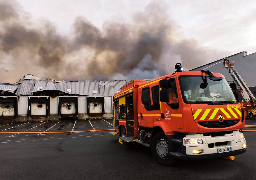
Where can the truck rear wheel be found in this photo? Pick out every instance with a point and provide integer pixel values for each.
(160, 150)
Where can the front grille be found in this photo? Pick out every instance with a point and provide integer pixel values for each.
(214, 134)
(211, 145)
(217, 124)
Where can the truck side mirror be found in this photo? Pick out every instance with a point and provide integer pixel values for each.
(233, 86)
(215, 78)
(203, 85)
(164, 95)
(163, 83)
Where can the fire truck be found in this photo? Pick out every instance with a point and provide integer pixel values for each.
(185, 115)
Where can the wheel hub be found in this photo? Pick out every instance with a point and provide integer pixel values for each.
(162, 148)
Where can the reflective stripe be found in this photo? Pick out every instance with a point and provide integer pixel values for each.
(173, 115)
(205, 114)
(123, 92)
(238, 112)
(197, 113)
(176, 115)
(214, 113)
(150, 83)
(225, 112)
(150, 114)
(121, 121)
(232, 112)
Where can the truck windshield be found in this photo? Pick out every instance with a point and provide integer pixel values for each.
(216, 92)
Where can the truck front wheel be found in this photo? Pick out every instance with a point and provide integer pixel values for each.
(160, 150)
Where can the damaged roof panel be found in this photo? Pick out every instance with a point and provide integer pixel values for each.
(8, 87)
(28, 86)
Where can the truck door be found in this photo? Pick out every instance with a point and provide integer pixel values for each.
(145, 116)
(155, 103)
(173, 113)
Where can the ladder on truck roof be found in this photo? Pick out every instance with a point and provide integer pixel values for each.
(245, 92)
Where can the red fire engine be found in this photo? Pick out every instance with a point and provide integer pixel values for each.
(187, 115)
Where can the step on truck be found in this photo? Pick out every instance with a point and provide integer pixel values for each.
(185, 115)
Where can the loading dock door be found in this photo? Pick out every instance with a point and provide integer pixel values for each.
(68, 108)
(7, 109)
(95, 107)
(38, 106)
(38, 109)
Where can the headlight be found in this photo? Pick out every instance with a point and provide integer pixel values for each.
(193, 141)
(242, 136)
(200, 151)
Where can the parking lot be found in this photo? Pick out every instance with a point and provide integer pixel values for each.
(68, 150)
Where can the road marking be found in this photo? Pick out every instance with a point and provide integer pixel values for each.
(52, 126)
(4, 142)
(108, 122)
(252, 126)
(58, 132)
(91, 125)
(74, 126)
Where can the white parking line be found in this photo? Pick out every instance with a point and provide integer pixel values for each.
(52, 126)
(91, 125)
(74, 126)
(108, 122)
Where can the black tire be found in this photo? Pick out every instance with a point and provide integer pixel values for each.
(160, 150)
(122, 131)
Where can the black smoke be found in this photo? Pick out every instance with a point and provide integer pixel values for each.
(145, 48)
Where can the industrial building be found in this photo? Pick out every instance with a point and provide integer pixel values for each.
(244, 64)
(37, 99)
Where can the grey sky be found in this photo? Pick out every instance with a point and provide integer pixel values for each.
(111, 39)
(225, 25)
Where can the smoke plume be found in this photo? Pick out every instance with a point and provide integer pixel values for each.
(147, 47)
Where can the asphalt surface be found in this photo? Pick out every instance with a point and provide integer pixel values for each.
(98, 155)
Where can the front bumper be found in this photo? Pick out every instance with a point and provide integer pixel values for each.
(210, 147)
(206, 156)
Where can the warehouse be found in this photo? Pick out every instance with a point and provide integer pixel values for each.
(244, 64)
(38, 99)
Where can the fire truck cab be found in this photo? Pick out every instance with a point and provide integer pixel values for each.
(187, 115)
